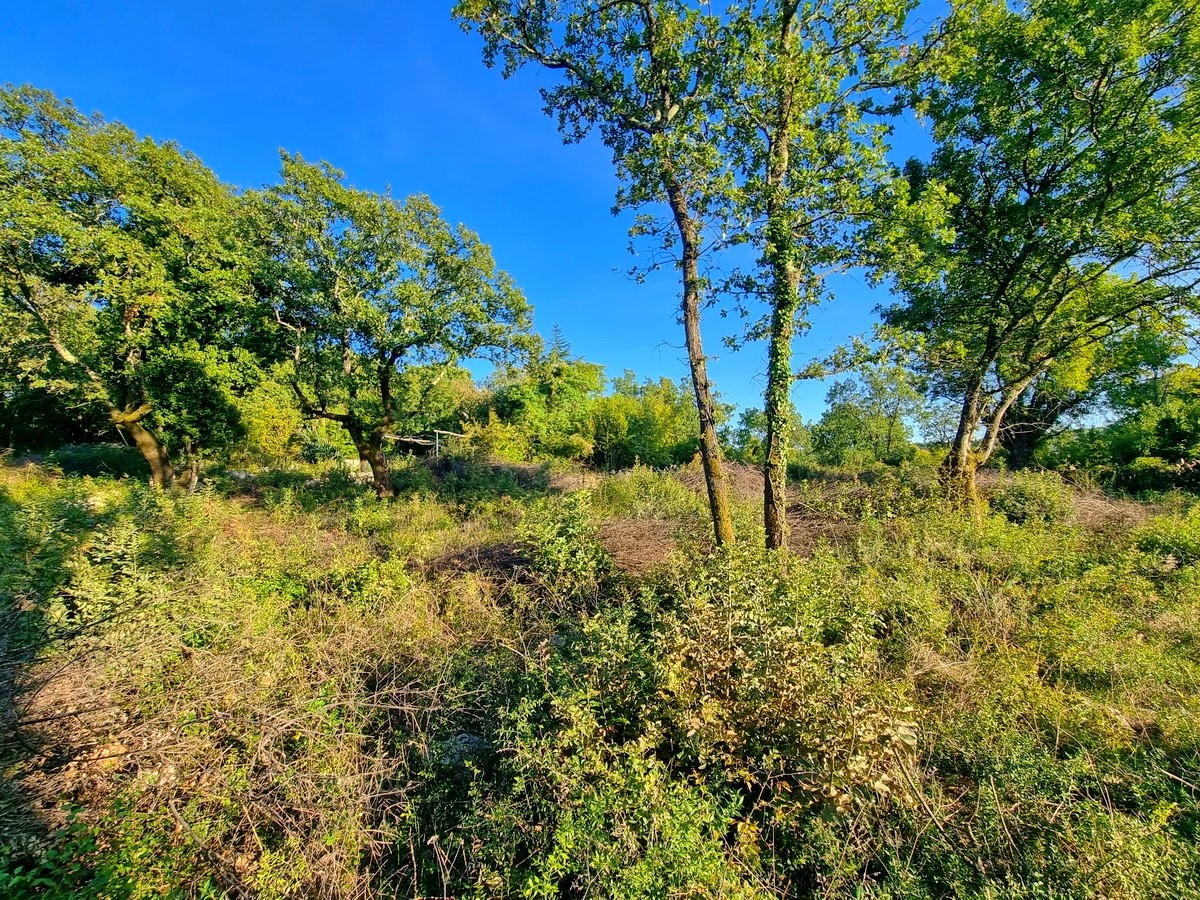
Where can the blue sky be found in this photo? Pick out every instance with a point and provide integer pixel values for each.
(395, 94)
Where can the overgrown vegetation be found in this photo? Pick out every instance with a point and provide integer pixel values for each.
(285, 687)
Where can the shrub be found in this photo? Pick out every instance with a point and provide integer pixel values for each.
(1033, 497)
(560, 542)
(1174, 537)
(774, 669)
(1148, 473)
(642, 492)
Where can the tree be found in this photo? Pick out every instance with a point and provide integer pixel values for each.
(857, 429)
(639, 71)
(122, 269)
(376, 297)
(550, 399)
(796, 95)
(1085, 379)
(869, 419)
(1072, 152)
(747, 441)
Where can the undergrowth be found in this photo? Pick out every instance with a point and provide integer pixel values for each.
(281, 687)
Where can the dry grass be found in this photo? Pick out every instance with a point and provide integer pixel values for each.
(1097, 512)
(745, 481)
(260, 719)
(638, 546)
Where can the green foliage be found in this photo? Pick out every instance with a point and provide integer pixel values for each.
(1177, 538)
(1153, 443)
(654, 423)
(747, 441)
(1032, 497)
(273, 427)
(778, 688)
(379, 300)
(499, 439)
(951, 706)
(127, 284)
(559, 539)
(583, 799)
(1066, 155)
(642, 492)
(550, 400)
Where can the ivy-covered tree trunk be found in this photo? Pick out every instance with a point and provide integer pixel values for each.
(780, 255)
(710, 447)
(777, 401)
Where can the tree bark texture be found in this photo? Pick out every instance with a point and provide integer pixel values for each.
(162, 473)
(370, 451)
(710, 448)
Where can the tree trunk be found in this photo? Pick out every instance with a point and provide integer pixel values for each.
(162, 473)
(777, 400)
(381, 474)
(957, 473)
(780, 255)
(710, 448)
(370, 452)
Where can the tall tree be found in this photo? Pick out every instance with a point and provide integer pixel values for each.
(372, 293)
(639, 71)
(1069, 132)
(797, 93)
(121, 264)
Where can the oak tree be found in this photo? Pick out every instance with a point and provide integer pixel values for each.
(379, 301)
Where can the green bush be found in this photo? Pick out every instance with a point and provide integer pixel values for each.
(643, 492)
(1033, 497)
(1174, 537)
(560, 542)
(1148, 473)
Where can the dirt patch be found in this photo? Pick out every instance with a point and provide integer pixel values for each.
(806, 532)
(638, 545)
(566, 482)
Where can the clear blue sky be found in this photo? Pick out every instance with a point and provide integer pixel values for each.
(395, 94)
